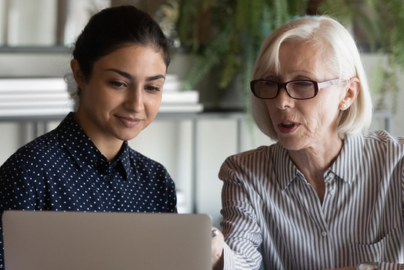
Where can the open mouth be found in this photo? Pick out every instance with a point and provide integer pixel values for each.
(288, 125)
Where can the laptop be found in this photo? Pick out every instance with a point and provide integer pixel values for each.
(49, 240)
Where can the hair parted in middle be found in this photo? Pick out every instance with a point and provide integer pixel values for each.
(342, 60)
(111, 29)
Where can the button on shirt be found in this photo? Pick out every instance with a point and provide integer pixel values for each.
(268, 203)
(64, 171)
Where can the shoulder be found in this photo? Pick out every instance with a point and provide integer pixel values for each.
(260, 154)
(150, 172)
(142, 162)
(35, 150)
(382, 137)
(252, 161)
(383, 147)
(28, 161)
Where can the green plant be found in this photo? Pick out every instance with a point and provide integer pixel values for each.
(379, 20)
(383, 23)
(226, 35)
(383, 84)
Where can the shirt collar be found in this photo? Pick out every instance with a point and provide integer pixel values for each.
(76, 142)
(83, 150)
(123, 158)
(345, 166)
(285, 169)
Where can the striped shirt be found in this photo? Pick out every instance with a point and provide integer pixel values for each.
(268, 203)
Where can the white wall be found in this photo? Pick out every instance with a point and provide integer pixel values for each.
(369, 63)
(3, 16)
(34, 65)
(9, 140)
(25, 27)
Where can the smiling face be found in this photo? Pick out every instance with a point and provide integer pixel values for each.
(123, 94)
(312, 123)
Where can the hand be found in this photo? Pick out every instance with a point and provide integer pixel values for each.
(217, 250)
(344, 268)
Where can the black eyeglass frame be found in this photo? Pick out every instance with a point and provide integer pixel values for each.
(317, 86)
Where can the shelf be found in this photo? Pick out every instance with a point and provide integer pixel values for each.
(35, 49)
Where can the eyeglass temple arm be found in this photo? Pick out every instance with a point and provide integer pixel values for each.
(328, 83)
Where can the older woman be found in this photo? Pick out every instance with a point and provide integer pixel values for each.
(119, 64)
(328, 194)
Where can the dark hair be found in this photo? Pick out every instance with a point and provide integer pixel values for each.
(114, 28)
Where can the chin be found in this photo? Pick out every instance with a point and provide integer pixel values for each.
(291, 144)
(126, 136)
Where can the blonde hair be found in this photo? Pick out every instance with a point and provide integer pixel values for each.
(328, 35)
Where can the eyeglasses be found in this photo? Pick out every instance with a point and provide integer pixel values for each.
(304, 89)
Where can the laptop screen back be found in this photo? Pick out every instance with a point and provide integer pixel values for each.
(47, 240)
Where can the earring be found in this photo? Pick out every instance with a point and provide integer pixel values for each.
(343, 106)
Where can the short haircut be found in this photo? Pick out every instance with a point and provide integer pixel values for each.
(323, 33)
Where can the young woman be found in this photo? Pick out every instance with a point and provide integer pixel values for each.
(85, 164)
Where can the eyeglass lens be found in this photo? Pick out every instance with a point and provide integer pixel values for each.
(296, 89)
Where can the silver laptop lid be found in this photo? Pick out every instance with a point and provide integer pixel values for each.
(47, 240)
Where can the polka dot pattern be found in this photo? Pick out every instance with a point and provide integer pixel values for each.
(64, 171)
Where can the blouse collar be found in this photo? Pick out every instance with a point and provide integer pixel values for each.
(83, 150)
(345, 167)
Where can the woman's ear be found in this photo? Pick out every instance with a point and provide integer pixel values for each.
(77, 73)
(351, 92)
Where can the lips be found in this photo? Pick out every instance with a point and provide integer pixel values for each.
(128, 122)
(287, 127)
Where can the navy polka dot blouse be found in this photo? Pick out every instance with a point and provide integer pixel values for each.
(64, 171)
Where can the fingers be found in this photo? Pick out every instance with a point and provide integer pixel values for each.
(214, 232)
(217, 246)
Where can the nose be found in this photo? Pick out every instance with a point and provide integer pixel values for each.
(283, 100)
(135, 99)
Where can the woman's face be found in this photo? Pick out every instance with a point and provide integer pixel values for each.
(123, 94)
(302, 124)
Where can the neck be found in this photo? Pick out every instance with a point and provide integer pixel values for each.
(313, 162)
(108, 145)
(108, 148)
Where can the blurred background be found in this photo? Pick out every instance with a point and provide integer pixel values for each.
(204, 116)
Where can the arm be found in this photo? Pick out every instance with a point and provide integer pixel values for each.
(171, 194)
(240, 223)
(396, 266)
(386, 265)
(16, 192)
(382, 266)
(217, 250)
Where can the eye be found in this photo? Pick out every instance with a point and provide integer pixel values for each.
(270, 84)
(302, 84)
(118, 84)
(151, 88)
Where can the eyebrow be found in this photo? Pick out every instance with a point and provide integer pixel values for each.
(129, 76)
(153, 78)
